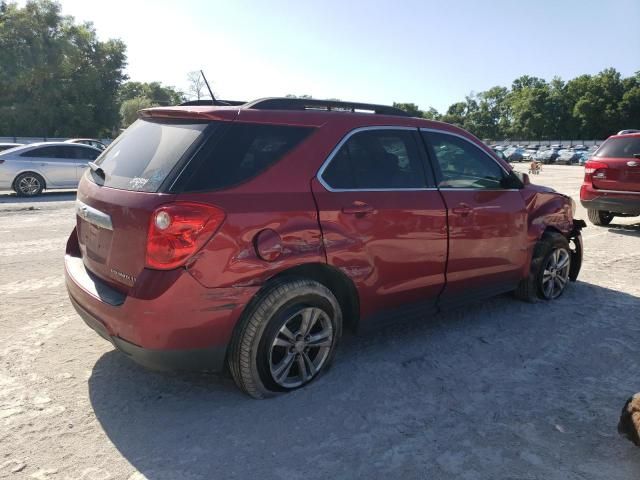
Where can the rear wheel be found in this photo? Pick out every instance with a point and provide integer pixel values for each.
(28, 184)
(599, 217)
(550, 268)
(287, 338)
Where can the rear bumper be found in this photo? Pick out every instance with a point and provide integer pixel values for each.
(209, 359)
(628, 206)
(181, 326)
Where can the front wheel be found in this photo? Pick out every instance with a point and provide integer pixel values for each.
(550, 269)
(286, 339)
(599, 217)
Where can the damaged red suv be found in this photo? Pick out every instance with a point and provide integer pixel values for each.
(249, 236)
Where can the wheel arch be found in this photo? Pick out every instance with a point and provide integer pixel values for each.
(340, 285)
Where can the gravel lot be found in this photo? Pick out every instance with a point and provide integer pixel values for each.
(499, 390)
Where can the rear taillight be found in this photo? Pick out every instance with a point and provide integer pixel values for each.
(594, 169)
(178, 230)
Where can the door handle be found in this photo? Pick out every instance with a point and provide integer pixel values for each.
(462, 209)
(359, 209)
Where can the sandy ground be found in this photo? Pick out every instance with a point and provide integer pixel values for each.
(500, 390)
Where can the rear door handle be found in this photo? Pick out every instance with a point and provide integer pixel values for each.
(462, 209)
(358, 208)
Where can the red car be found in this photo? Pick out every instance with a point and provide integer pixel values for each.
(611, 185)
(250, 236)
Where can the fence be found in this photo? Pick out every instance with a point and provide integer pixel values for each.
(564, 143)
(106, 141)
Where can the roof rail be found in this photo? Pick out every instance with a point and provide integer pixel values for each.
(215, 103)
(328, 105)
(628, 131)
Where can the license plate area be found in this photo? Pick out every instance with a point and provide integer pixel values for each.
(95, 232)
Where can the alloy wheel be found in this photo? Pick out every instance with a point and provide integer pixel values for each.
(301, 347)
(556, 273)
(29, 185)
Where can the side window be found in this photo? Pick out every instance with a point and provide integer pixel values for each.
(243, 152)
(462, 164)
(82, 153)
(373, 159)
(42, 152)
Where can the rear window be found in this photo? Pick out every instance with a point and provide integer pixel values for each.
(143, 156)
(241, 153)
(619, 148)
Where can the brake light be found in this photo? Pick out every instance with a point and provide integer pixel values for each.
(178, 230)
(594, 169)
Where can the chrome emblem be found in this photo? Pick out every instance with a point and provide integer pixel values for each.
(632, 163)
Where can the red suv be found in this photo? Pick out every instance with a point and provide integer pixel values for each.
(249, 236)
(611, 185)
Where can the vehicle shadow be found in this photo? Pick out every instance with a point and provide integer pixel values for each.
(628, 229)
(500, 389)
(53, 196)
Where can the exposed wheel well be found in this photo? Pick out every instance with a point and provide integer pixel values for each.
(44, 182)
(336, 281)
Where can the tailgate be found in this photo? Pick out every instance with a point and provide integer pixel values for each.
(112, 230)
(621, 174)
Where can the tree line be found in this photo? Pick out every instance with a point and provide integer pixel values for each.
(586, 107)
(57, 79)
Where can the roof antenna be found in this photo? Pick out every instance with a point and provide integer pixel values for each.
(208, 87)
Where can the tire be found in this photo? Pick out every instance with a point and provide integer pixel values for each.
(599, 217)
(264, 359)
(543, 270)
(28, 184)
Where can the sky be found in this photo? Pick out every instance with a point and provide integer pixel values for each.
(431, 53)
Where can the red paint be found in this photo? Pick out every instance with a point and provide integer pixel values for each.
(396, 247)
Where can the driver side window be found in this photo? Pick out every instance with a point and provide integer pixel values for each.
(462, 164)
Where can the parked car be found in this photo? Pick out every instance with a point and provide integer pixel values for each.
(7, 146)
(500, 154)
(529, 154)
(567, 156)
(88, 141)
(583, 156)
(546, 156)
(611, 186)
(31, 168)
(251, 237)
(514, 154)
(579, 147)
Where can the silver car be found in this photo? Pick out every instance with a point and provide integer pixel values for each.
(31, 168)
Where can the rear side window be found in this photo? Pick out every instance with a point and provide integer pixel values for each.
(143, 156)
(619, 148)
(45, 152)
(241, 153)
(376, 159)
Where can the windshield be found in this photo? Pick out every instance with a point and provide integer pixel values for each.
(143, 156)
(621, 147)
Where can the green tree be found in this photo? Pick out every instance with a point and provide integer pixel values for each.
(56, 77)
(129, 109)
(157, 93)
(411, 108)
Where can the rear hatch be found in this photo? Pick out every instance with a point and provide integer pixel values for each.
(621, 155)
(118, 195)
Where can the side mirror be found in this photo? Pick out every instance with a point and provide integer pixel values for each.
(525, 179)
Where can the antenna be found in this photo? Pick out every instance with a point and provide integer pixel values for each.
(208, 87)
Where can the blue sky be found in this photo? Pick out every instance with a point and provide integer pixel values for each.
(432, 53)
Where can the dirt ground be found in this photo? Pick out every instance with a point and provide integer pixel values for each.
(499, 390)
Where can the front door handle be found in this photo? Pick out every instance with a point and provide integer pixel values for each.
(462, 209)
(358, 209)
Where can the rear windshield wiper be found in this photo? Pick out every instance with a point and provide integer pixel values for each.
(97, 170)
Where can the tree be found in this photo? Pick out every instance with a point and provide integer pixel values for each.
(196, 86)
(157, 93)
(56, 77)
(129, 109)
(411, 108)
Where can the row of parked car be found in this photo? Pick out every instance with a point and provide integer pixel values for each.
(30, 168)
(558, 153)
